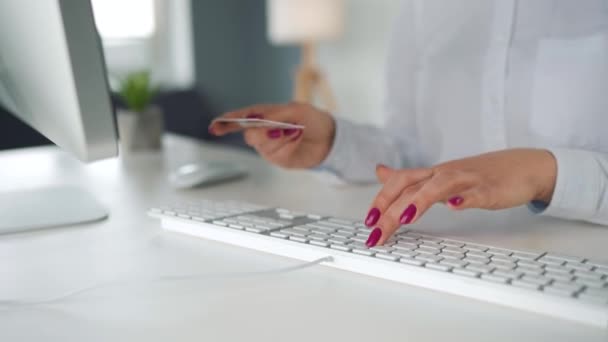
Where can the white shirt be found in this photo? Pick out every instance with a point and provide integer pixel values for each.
(467, 77)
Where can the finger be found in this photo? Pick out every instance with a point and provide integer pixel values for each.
(475, 197)
(277, 138)
(393, 186)
(386, 226)
(442, 186)
(383, 172)
(284, 153)
(256, 111)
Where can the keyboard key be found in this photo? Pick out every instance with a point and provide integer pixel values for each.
(530, 263)
(438, 267)
(318, 243)
(451, 243)
(557, 269)
(530, 270)
(565, 258)
(476, 260)
(363, 252)
(526, 255)
(547, 260)
(504, 258)
(341, 221)
(508, 274)
(413, 262)
(405, 246)
(475, 247)
(386, 256)
(465, 272)
(317, 236)
(587, 274)
(235, 226)
(454, 250)
(480, 268)
(279, 234)
(502, 265)
(452, 255)
(540, 280)
(453, 263)
(220, 223)
(525, 284)
(427, 250)
(495, 278)
(338, 240)
(499, 251)
(578, 266)
(559, 276)
(479, 254)
(342, 247)
(431, 245)
(558, 291)
(295, 232)
(591, 283)
(298, 239)
(383, 249)
(405, 254)
(428, 258)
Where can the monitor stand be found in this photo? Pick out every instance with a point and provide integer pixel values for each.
(47, 208)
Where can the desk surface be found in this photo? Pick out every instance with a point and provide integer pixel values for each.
(317, 303)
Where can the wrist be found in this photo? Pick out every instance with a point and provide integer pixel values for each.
(547, 176)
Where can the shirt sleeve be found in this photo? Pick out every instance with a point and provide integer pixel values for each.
(581, 188)
(357, 149)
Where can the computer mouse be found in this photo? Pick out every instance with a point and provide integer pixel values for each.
(204, 173)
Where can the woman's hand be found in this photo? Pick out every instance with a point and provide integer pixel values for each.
(289, 148)
(496, 180)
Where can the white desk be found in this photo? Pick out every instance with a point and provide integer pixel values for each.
(313, 304)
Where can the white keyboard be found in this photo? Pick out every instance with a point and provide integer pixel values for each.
(562, 286)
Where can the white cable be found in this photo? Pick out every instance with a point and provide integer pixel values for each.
(163, 278)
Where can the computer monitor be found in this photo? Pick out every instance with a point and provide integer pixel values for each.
(53, 77)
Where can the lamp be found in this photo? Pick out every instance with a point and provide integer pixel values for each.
(306, 22)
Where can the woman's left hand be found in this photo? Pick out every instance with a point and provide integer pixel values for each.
(495, 180)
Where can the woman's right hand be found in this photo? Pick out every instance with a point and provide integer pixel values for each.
(289, 148)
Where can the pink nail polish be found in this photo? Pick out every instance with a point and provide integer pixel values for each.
(211, 130)
(289, 131)
(254, 116)
(374, 237)
(274, 133)
(456, 201)
(408, 214)
(372, 217)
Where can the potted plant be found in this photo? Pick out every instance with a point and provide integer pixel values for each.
(140, 124)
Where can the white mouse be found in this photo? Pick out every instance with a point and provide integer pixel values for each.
(204, 173)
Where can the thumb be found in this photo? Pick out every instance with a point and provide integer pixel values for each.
(383, 173)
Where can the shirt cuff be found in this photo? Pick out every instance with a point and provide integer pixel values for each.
(336, 159)
(577, 186)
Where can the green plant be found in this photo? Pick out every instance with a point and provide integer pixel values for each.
(137, 91)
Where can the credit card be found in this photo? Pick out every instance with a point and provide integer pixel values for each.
(252, 122)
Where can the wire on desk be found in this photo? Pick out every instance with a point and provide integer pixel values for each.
(10, 303)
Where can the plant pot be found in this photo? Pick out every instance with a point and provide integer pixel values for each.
(140, 131)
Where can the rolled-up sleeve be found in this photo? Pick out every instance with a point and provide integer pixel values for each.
(581, 188)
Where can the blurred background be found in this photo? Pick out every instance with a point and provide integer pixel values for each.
(206, 57)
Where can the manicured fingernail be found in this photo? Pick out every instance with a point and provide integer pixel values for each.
(211, 130)
(372, 217)
(408, 214)
(254, 116)
(456, 201)
(374, 237)
(274, 133)
(298, 134)
(289, 131)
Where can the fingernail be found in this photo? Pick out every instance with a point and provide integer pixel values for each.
(254, 116)
(374, 237)
(372, 217)
(298, 133)
(211, 130)
(378, 166)
(408, 214)
(274, 133)
(456, 201)
(289, 131)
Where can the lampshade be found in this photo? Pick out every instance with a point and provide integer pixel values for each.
(298, 21)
